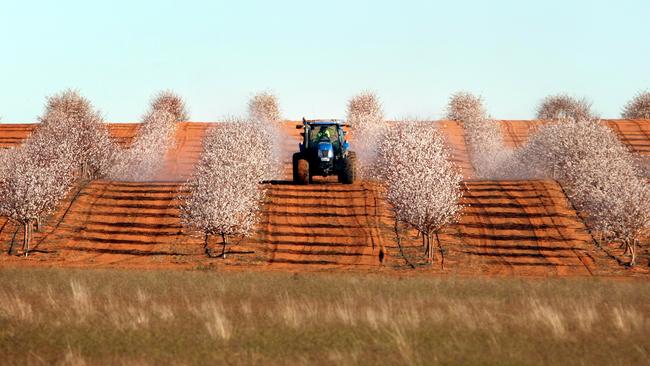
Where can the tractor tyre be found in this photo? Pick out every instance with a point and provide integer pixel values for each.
(349, 172)
(294, 167)
(303, 172)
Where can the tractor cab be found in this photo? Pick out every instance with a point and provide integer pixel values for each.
(318, 132)
(323, 151)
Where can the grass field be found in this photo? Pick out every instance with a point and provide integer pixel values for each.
(77, 317)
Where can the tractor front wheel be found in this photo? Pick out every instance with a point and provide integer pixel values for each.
(294, 166)
(303, 171)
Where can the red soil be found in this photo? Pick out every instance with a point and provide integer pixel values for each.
(525, 226)
(508, 227)
(455, 137)
(633, 133)
(14, 133)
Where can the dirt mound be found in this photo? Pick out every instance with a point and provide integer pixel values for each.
(123, 133)
(508, 227)
(114, 223)
(525, 227)
(321, 224)
(516, 133)
(455, 138)
(13, 134)
(181, 160)
(634, 133)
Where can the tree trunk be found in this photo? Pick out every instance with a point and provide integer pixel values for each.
(206, 249)
(84, 170)
(13, 240)
(602, 241)
(27, 237)
(429, 249)
(424, 245)
(442, 254)
(31, 232)
(24, 238)
(223, 250)
(633, 253)
(432, 253)
(399, 244)
(625, 244)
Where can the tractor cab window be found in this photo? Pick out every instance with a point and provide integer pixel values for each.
(317, 133)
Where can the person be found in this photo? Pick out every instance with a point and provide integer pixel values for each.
(323, 133)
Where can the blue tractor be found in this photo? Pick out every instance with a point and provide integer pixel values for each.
(324, 151)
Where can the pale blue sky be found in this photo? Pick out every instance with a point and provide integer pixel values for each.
(316, 54)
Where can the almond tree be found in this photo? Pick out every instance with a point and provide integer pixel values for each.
(38, 175)
(628, 207)
(564, 107)
(5, 157)
(264, 112)
(598, 174)
(578, 151)
(224, 196)
(489, 155)
(422, 184)
(639, 107)
(256, 146)
(264, 107)
(71, 141)
(366, 116)
(92, 146)
(643, 164)
(146, 156)
(60, 140)
(464, 106)
(171, 103)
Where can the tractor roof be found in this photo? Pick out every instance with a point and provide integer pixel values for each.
(323, 121)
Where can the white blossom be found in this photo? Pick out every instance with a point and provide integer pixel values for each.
(83, 127)
(489, 155)
(422, 184)
(464, 106)
(638, 107)
(38, 175)
(598, 173)
(5, 158)
(171, 103)
(224, 196)
(144, 159)
(264, 113)
(264, 107)
(366, 118)
(564, 107)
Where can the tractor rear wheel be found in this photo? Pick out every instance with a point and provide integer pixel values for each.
(303, 171)
(349, 171)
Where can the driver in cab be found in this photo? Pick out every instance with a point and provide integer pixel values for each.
(323, 134)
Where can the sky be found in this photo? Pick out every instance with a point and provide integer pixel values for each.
(315, 55)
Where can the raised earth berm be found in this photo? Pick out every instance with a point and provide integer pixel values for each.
(508, 227)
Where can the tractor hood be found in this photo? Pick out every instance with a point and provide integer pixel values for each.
(325, 151)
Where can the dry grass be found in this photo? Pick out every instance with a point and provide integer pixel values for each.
(78, 317)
